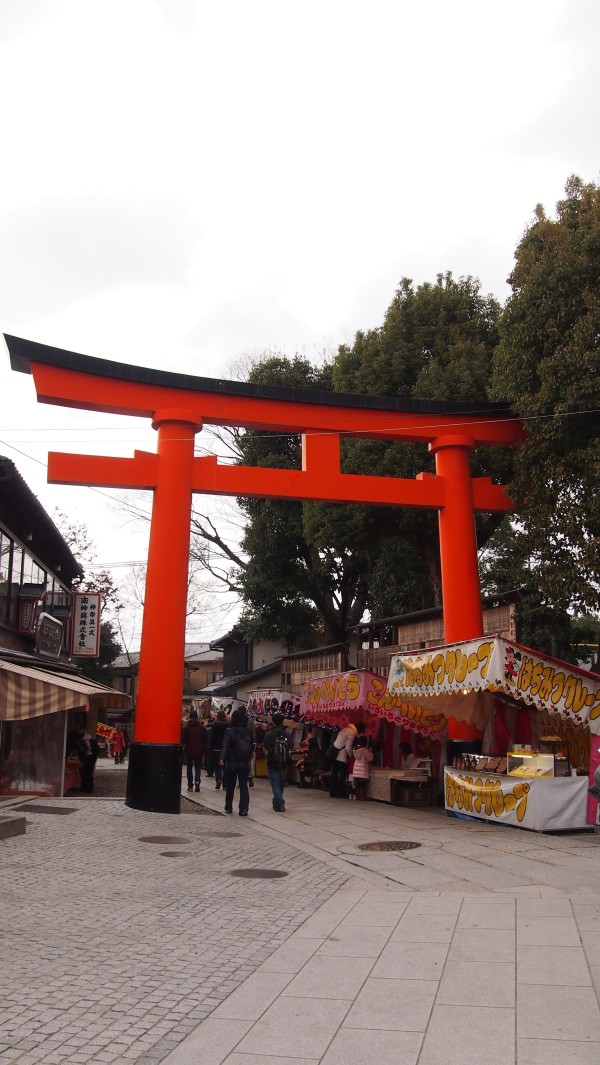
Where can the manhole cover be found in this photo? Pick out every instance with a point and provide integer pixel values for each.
(164, 839)
(36, 808)
(175, 854)
(389, 845)
(259, 874)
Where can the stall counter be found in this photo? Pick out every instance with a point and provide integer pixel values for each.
(556, 804)
(381, 782)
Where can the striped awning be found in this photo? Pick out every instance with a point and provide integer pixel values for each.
(28, 691)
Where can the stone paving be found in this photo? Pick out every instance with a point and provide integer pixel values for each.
(482, 943)
(110, 950)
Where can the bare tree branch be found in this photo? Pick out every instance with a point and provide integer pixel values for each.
(204, 528)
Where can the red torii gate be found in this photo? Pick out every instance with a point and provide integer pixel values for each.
(179, 405)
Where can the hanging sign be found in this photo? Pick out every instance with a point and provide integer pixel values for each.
(224, 702)
(85, 640)
(450, 673)
(49, 635)
(271, 700)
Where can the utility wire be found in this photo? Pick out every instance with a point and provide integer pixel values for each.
(360, 432)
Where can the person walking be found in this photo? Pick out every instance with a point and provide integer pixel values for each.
(252, 728)
(236, 756)
(194, 744)
(119, 745)
(363, 756)
(217, 735)
(277, 750)
(343, 743)
(88, 756)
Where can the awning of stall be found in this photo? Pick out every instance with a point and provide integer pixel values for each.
(363, 696)
(459, 679)
(30, 691)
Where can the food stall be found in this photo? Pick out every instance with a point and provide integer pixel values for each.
(335, 701)
(537, 716)
(262, 703)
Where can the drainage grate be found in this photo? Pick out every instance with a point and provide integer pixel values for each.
(175, 854)
(164, 839)
(258, 874)
(389, 845)
(35, 808)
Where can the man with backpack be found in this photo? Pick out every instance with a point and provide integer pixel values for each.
(236, 756)
(277, 750)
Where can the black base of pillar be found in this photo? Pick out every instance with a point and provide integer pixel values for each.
(154, 777)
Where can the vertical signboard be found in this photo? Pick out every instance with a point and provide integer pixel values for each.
(85, 640)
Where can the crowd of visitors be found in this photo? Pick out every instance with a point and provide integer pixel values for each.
(226, 747)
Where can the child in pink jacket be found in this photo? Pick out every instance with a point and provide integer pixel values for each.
(363, 756)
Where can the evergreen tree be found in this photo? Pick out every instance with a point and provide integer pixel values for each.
(547, 366)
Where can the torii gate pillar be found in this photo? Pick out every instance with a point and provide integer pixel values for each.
(458, 542)
(154, 777)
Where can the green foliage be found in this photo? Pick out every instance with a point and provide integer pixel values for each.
(434, 340)
(290, 584)
(546, 626)
(547, 366)
(399, 582)
(506, 565)
(585, 641)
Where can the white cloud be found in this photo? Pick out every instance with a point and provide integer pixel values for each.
(254, 323)
(565, 130)
(66, 248)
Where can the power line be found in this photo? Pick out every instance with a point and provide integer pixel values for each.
(344, 432)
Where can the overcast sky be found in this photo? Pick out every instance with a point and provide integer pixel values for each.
(184, 182)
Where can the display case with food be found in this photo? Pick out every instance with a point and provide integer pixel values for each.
(558, 747)
(522, 761)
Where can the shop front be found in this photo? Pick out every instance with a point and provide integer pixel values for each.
(537, 716)
(39, 708)
(407, 740)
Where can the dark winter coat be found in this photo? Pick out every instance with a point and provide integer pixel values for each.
(217, 734)
(237, 737)
(194, 739)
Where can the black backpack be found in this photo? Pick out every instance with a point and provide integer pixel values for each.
(280, 751)
(242, 744)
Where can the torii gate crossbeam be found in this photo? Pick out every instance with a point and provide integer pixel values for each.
(179, 405)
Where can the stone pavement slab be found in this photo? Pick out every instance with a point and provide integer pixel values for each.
(117, 949)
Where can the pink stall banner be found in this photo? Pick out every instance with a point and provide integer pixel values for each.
(363, 696)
